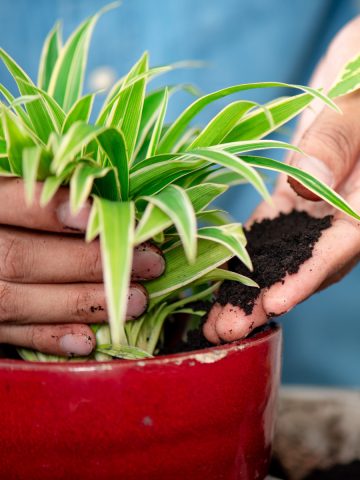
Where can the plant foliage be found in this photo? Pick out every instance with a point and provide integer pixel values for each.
(148, 179)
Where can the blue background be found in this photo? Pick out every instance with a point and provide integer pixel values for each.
(241, 41)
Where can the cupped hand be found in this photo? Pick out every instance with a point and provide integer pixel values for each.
(332, 143)
(51, 279)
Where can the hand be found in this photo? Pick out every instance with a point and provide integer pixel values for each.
(50, 281)
(333, 143)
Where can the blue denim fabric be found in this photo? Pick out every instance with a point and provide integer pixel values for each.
(242, 41)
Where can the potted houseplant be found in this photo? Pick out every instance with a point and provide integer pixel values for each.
(192, 415)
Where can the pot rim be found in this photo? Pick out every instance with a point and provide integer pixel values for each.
(206, 355)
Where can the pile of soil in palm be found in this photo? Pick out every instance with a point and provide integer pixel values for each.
(276, 247)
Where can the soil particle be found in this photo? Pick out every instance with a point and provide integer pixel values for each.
(97, 308)
(276, 247)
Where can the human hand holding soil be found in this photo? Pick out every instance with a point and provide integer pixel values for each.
(51, 280)
(332, 143)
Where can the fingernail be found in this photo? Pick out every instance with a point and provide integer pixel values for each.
(76, 344)
(137, 302)
(147, 263)
(77, 222)
(315, 167)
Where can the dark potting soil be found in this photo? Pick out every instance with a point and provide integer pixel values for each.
(276, 247)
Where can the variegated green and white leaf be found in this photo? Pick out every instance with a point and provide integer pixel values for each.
(223, 235)
(348, 80)
(221, 274)
(155, 137)
(80, 111)
(176, 204)
(181, 123)
(81, 183)
(316, 186)
(117, 222)
(232, 162)
(17, 139)
(67, 76)
(154, 220)
(179, 273)
(71, 144)
(221, 124)
(112, 142)
(35, 166)
(49, 55)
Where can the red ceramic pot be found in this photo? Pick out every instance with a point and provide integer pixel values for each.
(196, 416)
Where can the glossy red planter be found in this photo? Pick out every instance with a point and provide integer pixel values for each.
(197, 416)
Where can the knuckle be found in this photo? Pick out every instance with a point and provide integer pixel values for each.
(13, 258)
(79, 304)
(90, 262)
(7, 302)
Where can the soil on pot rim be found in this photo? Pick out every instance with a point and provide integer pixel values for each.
(276, 247)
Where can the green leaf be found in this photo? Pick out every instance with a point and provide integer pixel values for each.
(232, 163)
(126, 111)
(257, 125)
(152, 104)
(221, 124)
(180, 273)
(123, 351)
(112, 142)
(35, 166)
(67, 77)
(181, 123)
(93, 225)
(77, 137)
(348, 80)
(38, 114)
(251, 145)
(225, 236)
(49, 56)
(153, 178)
(81, 184)
(45, 110)
(117, 222)
(17, 109)
(154, 220)
(80, 111)
(319, 188)
(155, 137)
(53, 183)
(174, 201)
(17, 139)
(221, 274)
(224, 177)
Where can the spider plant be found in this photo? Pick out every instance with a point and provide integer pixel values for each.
(148, 180)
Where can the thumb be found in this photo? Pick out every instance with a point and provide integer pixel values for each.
(332, 140)
(332, 146)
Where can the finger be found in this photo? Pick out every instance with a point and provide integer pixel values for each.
(64, 340)
(332, 144)
(54, 217)
(68, 303)
(230, 323)
(209, 329)
(30, 257)
(332, 141)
